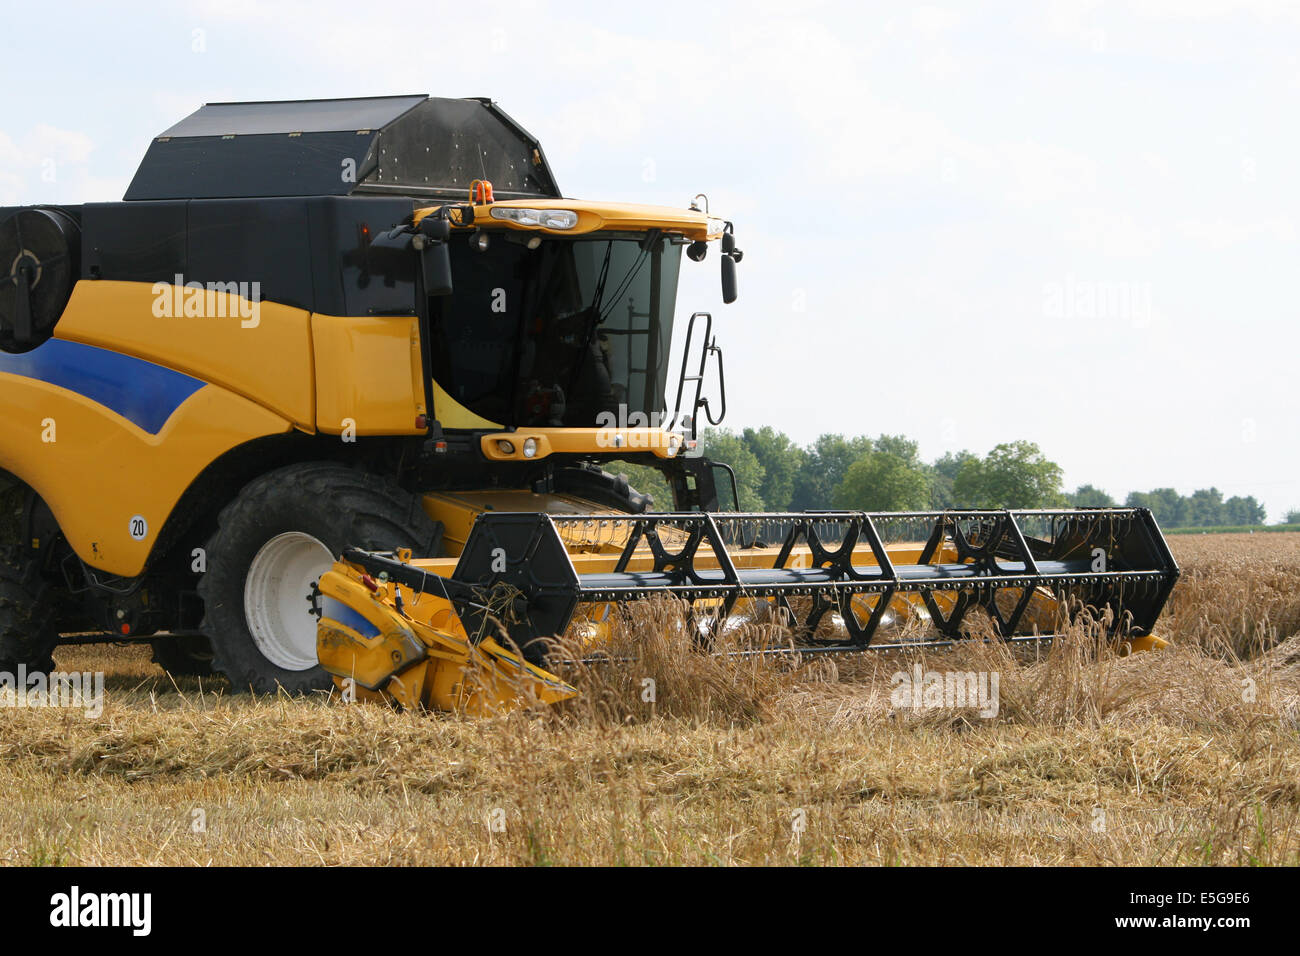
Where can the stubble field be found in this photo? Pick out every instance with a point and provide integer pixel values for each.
(1186, 756)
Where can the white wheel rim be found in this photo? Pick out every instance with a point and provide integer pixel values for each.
(277, 601)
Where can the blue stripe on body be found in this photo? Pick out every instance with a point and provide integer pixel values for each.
(141, 392)
(340, 612)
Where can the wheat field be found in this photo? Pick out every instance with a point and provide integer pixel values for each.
(1186, 756)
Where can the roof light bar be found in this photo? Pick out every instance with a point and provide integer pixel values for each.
(537, 218)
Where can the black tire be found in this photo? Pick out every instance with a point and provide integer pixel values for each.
(28, 613)
(339, 506)
(184, 655)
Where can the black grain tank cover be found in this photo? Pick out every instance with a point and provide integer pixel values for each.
(417, 146)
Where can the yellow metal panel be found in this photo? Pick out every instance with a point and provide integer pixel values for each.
(597, 216)
(101, 472)
(661, 442)
(1147, 643)
(267, 359)
(452, 414)
(368, 371)
(457, 518)
(421, 656)
(370, 660)
(458, 509)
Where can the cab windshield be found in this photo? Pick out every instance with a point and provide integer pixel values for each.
(558, 334)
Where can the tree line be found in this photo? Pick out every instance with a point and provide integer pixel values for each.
(774, 473)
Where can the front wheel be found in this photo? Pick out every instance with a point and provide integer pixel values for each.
(272, 544)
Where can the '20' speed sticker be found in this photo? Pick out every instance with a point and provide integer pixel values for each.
(139, 527)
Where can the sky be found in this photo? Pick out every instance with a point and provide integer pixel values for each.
(1073, 223)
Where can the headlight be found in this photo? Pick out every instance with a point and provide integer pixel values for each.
(530, 447)
(537, 218)
(717, 226)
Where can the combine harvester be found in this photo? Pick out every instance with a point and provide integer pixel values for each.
(345, 375)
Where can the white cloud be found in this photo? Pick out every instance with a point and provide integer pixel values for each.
(1156, 163)
(1221, 234)
(942, 65)
(1267, 10)
(929, 19)
(61, 145)
(1041, 172)
(1115, 234)
(45, 164)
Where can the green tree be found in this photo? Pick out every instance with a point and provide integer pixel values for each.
(1086, 496)
(882, 481)
(1293, 517)
(1167, 505)
(722, 444)
(782, 462)
(943, 473)
(825, 465)
(901, 447)
(1012, 475)
(1205, 508)
(1239, 511)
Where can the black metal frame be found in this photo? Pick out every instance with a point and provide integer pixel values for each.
(520, 562)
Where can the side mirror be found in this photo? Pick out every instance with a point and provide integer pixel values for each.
(435, 256)
(730, 256)
(728, 280)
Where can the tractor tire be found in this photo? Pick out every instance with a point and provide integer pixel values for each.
(272, 543)
(184, 655)
(28, 613)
